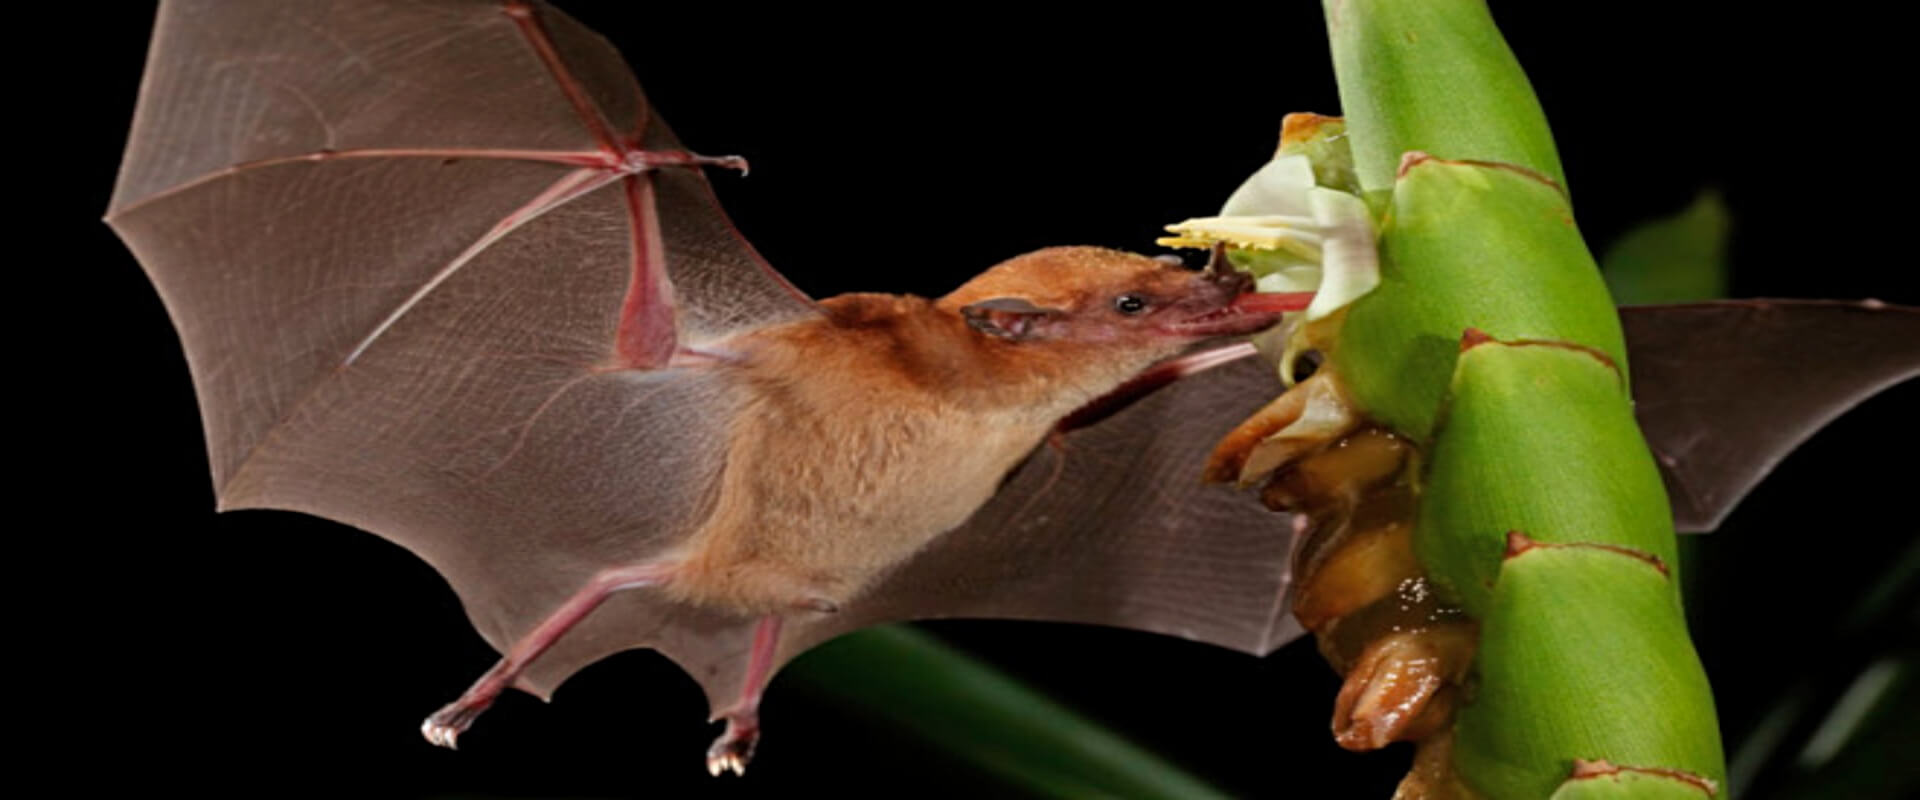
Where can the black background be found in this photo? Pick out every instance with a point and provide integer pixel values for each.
(160, 646)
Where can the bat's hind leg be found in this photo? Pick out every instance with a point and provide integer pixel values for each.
(734, 748)
(444, 726)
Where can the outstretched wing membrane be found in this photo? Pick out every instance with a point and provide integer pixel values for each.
(431, 264)
(1726, 390)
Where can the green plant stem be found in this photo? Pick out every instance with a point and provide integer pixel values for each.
(1491, 341)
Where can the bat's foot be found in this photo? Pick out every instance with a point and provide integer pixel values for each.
(443, 728)
(732, 751)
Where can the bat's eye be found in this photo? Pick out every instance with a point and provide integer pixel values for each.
(1129, 304)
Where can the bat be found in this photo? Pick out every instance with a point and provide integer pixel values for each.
(977, 591)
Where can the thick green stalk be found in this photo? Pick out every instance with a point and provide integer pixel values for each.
(1435, 77)
(1491, 341)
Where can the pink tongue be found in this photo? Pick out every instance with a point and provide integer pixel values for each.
(1272, 302)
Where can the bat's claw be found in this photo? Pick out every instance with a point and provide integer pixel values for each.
(732, 751)
(443, 728)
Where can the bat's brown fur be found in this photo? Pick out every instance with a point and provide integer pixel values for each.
(887, 421)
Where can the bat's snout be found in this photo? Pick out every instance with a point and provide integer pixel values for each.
(1210, 308)
(1221, 274)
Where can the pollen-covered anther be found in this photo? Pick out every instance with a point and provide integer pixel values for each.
(1296, 234)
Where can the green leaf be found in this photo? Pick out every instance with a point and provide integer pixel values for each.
(1863, 748)
(1677, 259)
(974, 712)
(1823, 740)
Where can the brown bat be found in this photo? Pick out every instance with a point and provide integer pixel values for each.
(443, 275)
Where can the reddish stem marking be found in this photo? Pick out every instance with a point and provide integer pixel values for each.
(1589, 770)
(1474, 337)
(1518, 544)
(1414, 158)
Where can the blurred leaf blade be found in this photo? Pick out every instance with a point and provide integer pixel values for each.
(1847, 730)
(1680, 258)
(974, 712)
(1869, 755)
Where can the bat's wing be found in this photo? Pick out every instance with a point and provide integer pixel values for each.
(409, 251)
(1112, 526)
(425, 270)
(1124, 535)
(1725, 390)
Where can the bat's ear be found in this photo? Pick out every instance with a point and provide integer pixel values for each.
(1008, 317)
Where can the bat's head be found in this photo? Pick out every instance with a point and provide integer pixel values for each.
(1097, 296)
